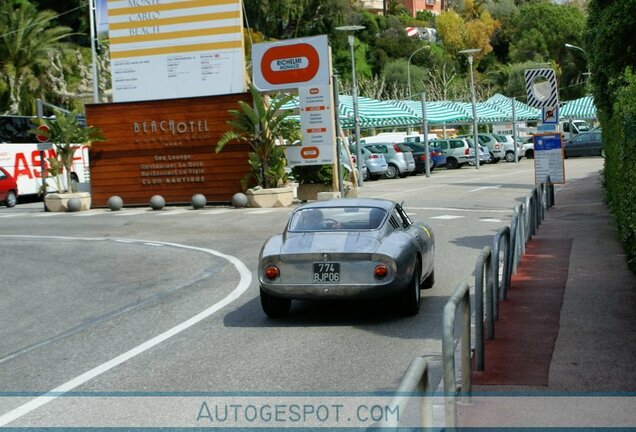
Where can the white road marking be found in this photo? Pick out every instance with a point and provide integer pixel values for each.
(445, 185)
(243, 285)
(490, 220)
(173, 212)
(4, 215)
(446, 217)
(89, 213)
(47, 214)
(264, 211)
(131, 212)
(217, 211)
(453, 209)
(484, 188)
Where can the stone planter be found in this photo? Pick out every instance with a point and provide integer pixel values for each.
(57, 202)
(309, 191)
(274, 197)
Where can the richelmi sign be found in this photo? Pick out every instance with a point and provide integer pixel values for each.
(302, 65)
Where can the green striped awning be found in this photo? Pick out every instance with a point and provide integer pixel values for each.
(485, 113)
(582, 108)
(436, 112)
(375, 113)
(523, 112)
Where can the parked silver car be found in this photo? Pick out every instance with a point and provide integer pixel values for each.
(495, 144)
(375, 163)
(398, 156)
(456, 150)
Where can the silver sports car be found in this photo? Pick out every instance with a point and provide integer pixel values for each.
(347, 248)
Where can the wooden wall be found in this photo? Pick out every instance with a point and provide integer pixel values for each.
(165, 147)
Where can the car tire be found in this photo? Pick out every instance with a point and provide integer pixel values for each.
(11, 199)
(392, 172)
(429, 281)
(510, 156)
(530, 154)
(493, 159)
(410, 297)
(366, 174)
(451, 163)
(274, 307)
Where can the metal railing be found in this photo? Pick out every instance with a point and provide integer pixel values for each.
(416, 382)
(460, 295)
(511, 240)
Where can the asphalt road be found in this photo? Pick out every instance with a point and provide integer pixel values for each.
(79, 290)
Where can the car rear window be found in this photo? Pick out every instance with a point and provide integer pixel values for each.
(403, 147)
(337, 219)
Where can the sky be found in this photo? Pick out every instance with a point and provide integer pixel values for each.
(101, 16)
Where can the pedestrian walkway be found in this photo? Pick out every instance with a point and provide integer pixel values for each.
(595, 346)
(569, 323)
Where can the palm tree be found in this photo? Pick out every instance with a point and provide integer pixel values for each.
(260, 126)
(27, 37)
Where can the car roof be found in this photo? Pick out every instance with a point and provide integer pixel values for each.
(349, 202)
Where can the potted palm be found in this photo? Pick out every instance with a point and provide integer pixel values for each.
(260, 126)
(312, 179)
(68, 134)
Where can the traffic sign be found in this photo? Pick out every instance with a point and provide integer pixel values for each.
(42, 138)
(541, 93)
(550, 114)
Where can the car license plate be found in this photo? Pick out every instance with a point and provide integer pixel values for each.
(326, 272)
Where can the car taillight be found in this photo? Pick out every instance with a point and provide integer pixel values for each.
(374, 156)
(433, 153)
(397, 148)
(423, 157)
(381, 271)
(271, 272)
(496, 146)
(467, 152)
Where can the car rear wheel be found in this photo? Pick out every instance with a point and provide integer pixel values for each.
(429, 281)
(366, 174)
(451, 163)
(410, 298)
(510, 156)
(11, 200)
(530, 154)
(392, 172)
(274, 307)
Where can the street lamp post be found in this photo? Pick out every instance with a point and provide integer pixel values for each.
(469, 53)
(408, 67)
(354, 93)
(567, 45)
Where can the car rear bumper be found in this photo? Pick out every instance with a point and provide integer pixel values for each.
(332, 291)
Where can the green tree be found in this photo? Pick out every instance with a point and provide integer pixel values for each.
(611, 47)
(68, 135)
(28, 37)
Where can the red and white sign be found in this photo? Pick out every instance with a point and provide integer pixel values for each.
(292, 63)
(42, 138)
(317, 126)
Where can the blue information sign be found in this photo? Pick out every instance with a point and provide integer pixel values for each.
(547, 142)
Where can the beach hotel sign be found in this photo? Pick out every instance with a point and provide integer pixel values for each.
(167, 49)
(303, 65)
